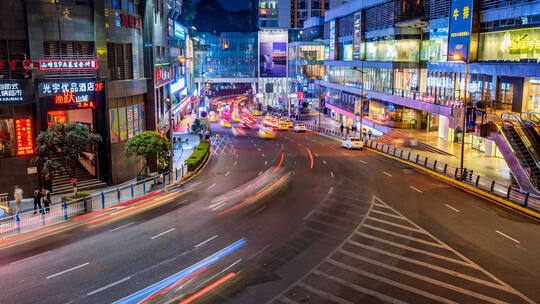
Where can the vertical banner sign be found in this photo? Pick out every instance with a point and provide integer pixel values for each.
(333, 40)
(25, 141)
(365, 107)
(130, 124)
(113, 124)
(357, 36)
(461, 21)
(470, 123)
(122, 123)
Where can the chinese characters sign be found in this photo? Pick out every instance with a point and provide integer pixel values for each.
(59, 87)
(75, 64)
(25, 141)
(461, 21)
(10, 91)
(69, 98)
(357, 36)
(130, 21)
(179, 31)
(333, 38)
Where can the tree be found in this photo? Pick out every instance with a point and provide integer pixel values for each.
(70, 141)
(147, 145)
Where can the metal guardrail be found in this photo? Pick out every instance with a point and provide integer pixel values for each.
(504, 191)
(57, 213)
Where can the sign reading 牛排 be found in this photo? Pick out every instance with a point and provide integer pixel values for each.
(461, 22)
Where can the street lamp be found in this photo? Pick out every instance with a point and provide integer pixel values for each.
(459, 57)
(171, 147)
(362, 96)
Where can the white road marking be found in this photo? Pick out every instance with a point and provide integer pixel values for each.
(263, 155)
(456, 210)
(28, 258)
(309, 214)
(507, 236)
(123, 226)
(108, 286)
(387, 173)
(260, 173)
(363, 162)
(180, 203)
(67, 270)
(316, 154)
(211, 186)
(204, 242)
(216, 206)
(324, 162)
(331, 190)
(332, 173)
(416, 189)
(228, 172)
(260, 210)
(265, 162)
(235, 163)
(259, 149)
(164, 232)
(258, 252)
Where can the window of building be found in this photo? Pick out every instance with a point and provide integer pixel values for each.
(120, 61)
(131, 6)
(13, 50)
(7, 138)
(117, 4)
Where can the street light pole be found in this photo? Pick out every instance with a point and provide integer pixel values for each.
(461, 170)
(171, 146)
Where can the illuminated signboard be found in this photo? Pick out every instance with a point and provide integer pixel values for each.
(10, 91)
(69, 98)
(333, 36)
(130, 21)
(178, 85)
(75, 64)
(357, 36)
(162, 75)
(461, 20)
(59, 87)
(25, 141)
(179, 31)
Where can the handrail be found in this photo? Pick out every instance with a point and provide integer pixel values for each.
(499, 123)
(526, 136)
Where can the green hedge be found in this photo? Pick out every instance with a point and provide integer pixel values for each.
(198, 155)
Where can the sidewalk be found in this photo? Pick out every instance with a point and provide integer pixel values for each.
(491, 167)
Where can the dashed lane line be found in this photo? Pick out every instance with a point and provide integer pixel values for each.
(507, 236)
(164, 232)
(67, 270)
(204, 242)
(108, 286)
(416, 189)
(28, 258)
(455, 209)
(387, 174)
(332, 173)
(228, 172)
(123, 226)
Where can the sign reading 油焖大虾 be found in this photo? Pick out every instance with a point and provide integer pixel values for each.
(59, 87)
(10, 91)
(68, 64)
(461, 21)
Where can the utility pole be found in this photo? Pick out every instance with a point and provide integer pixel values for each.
(459, 57)
(171, 146)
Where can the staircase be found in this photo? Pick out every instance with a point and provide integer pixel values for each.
(525, 155)
(62, 181)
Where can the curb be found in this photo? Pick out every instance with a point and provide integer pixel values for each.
(457, 183)
(193, 173)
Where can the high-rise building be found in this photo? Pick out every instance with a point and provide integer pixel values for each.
(291, 14)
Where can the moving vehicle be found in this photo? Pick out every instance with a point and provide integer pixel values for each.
(224, 124)
(300, 128)
(290, 123)
(352, 143)
(266, 133)
(257, 113)
(236, 131)
(283, 126)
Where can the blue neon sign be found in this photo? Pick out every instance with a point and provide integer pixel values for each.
(179, 31)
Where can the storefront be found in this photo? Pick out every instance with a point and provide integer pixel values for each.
(532, 102)
(17, 135)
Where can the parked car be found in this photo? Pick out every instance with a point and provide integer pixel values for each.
(352, 143)
(300, 128)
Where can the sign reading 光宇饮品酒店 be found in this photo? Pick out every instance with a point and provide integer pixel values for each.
(461, 25)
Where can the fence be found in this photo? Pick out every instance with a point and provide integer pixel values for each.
(507, 192)
(28, 221)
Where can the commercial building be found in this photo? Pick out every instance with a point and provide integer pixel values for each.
(103, 63)
(291, 14)
(397, 52)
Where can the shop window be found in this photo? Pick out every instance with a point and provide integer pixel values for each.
(13, 50)
(7, 138)
(120, 61)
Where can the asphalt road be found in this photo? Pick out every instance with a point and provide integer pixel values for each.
(292, 220)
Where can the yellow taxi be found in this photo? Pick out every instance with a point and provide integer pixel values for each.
(224, 124)
(283, 126)
(257, 113)
(290, 123)
(266, 133)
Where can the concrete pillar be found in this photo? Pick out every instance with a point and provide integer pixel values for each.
(491, 148)
(444, 123)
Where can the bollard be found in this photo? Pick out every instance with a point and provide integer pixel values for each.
(425, 162)
(118, 193)
(492, 186)
(508, 192)
(131, 190)
(477, 180)
(85, 205)
(417, 157)
(155, 180)
(526, 199)
(445, 167)
(65, 211)
(435, 165)
(102, 200)
(169, 177)
(176, 170)
(18, 223)
(144, 186)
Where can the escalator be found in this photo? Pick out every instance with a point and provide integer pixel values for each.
(532, 121)
(520, 147)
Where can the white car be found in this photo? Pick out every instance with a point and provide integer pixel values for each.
(300, 128)
(352, 143)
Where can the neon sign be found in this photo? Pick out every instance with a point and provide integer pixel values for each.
(74, 64)
(25, 141)
(69, 98)
(54, 88)
(10, 91)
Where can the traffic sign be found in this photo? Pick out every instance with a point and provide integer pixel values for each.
(203, 114)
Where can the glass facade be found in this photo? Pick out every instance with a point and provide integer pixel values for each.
(230, 55)
(516, 45)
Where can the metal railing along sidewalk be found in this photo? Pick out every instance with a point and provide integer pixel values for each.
(57, 213)
(507, 192)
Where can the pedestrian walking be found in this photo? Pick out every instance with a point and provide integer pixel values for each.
(341, 130)
(18, 195)
(364, 133)
(47, 183)
(46, 200)
(37, 200)
(347, 129)
(369, 133)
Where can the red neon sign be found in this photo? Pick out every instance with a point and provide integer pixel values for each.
(68, 64)
(69, 98)
(65, 98)
(25, 140)
(85, 105)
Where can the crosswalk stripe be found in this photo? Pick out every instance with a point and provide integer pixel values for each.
(361, 289)
(394, 224)
(425, 252)
(424, 278)
(412, 238)
(428, 265)
(324, 294)
(386, 213)
(391, 282)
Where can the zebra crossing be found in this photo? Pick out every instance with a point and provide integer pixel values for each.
(223, 146)
(389, 259)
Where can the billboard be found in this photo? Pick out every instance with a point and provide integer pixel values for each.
(273, 59)
(357, 36)
(333, 39)
(179, 31)
(461, 21)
